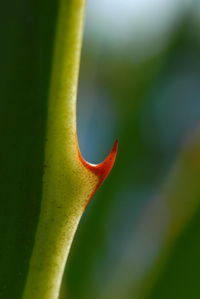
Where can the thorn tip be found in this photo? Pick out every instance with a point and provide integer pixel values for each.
(102, 169)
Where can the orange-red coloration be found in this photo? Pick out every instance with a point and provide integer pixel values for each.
(102, 169)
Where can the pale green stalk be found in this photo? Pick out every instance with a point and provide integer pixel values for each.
(67, 183)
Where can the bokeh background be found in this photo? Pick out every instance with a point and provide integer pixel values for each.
(140, 82)
(139, 238)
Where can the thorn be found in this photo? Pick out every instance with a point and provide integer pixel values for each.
(102, 169)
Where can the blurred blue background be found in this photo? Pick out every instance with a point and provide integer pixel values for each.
(140, 82)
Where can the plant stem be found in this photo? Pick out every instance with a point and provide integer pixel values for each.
(66, 183)
(69, 181)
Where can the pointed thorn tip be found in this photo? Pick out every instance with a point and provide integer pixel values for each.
(102, 169)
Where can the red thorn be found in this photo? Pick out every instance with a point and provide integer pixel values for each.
(102, 169)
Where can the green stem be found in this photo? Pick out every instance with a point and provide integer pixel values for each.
(66, 182)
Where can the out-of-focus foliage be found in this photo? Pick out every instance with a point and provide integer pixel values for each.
(26, 32)
(139, 236)
(140, 81)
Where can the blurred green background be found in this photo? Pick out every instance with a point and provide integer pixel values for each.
(140, 82)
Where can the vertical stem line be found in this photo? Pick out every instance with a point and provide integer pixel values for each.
(63, 195)
(63, 89)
